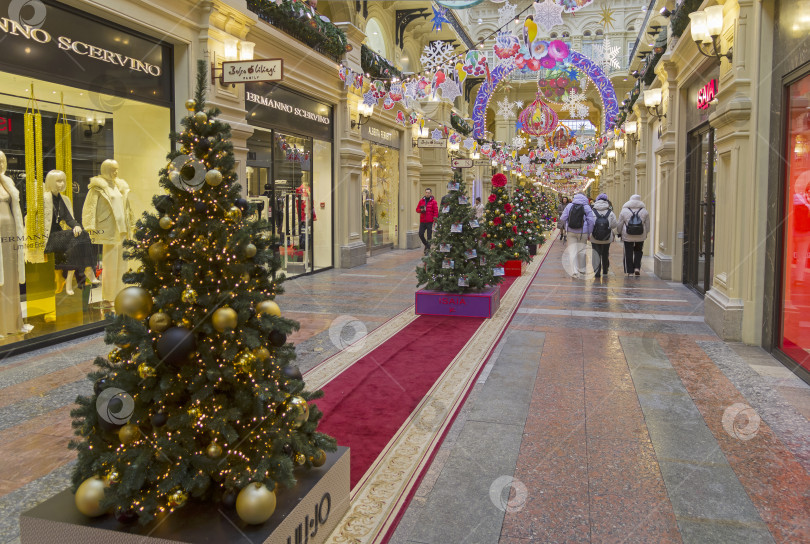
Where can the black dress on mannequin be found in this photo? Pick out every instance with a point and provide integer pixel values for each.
(71, 252)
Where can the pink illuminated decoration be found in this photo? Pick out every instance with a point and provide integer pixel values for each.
(5, 124)
(706, 95)
(538, 119)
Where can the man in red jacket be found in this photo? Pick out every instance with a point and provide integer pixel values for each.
(428, 212)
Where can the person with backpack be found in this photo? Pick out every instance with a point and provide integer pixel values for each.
(579, 220)
(634, 224)
(602, 235)
(564, 202)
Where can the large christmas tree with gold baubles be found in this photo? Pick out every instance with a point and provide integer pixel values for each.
(505, 240)
(199, 400)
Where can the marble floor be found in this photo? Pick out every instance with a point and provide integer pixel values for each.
(609, 413)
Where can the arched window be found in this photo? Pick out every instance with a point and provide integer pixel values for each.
(631, 28)
(566, 34)
(599, 32)
(553, 35)
(586, 33)
(375, 38)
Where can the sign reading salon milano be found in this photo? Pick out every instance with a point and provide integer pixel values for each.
(275, 106)
(46, 40)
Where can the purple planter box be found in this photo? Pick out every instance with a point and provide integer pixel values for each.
(481, 304)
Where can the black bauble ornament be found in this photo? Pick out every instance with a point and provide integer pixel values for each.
(100, 385)
(126, 516)
(277, 338)
(229, 498)
(241, 203)
(177, 267)
(176, 344)
(109, 427)
(292, 372)
(287, 449)
(163, 203)
(159, 419)
(200, 207)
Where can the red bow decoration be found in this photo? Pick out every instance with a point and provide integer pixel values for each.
(499, 180)
(507, 207)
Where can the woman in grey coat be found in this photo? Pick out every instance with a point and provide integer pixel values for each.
(564, 202)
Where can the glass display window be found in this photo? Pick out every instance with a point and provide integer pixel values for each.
(795, 334)
(66, 152)
(380, 197)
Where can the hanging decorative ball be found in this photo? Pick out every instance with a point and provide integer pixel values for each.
(189, 296)
(300, 458)
(538, 119)
(250, 251)
(224, 319)
(145, 371)
(100, 385)
(135, 302)
(201, 117)
(242, 204)
(233, 214)
(213, 177)
(517, 254)
(177, 267)
(214, 450)
(166, 222)
(261, 353)
(160, 321)
(178, 498)
(129, 433)
(514, 216)
(111, 478)
(255, 503)
(176, 344)
(159, 419)
(319, 459)
(126, 517)
(89, 496)
(299, 409)
(191, 104)
(509, 224)
(115, 356)
(244, 361)
(268, 307)
(229, 498)
(491, 223)
(158, 251)
(292, 372)
(277, 338)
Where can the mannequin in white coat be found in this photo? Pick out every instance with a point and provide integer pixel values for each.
(12, 263)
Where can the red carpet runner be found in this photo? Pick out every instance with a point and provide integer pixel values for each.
(366, 405)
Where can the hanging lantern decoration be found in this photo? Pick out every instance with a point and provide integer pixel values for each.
(538, 119)
(560, 137)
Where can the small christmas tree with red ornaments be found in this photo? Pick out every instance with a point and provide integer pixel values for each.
(526, 208)
(502, 233)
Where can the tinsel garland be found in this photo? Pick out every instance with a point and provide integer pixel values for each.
(34, 189)
(64, 155)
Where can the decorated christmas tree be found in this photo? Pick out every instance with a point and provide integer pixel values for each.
(458, 261)
(527, 207)
(198, 401)
(547, 209)
(502, 234)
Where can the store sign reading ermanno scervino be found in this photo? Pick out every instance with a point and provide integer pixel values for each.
(242, 71)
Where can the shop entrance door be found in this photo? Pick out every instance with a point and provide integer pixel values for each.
(698, 243)
(380, 198)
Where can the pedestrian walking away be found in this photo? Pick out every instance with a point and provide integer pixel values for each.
(428, 211)
(479, 208)
(560, 209)
(602, 236)
(579, 220)
(633, 227)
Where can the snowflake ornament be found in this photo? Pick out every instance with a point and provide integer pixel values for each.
(518, 104)
(450, 90)
(548, 14)
(469, 143)
(574, 104)
(436, 134)
(436, 55)
(518, 142)
(370, 98)
(606, 55)
(505, 108)
(506, 13)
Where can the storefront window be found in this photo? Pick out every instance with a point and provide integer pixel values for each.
(77, 167)
(380, 197)
(796, 261)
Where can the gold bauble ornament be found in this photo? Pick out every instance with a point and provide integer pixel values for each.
(514, 216)
(89, 495)
(517, 254)
(201, 117)
(111, 478)
(250, 251)
(191, 104)
(135, 302)
(224, 318)
(166, 222)
(158, 251)
(214, 450)
(233, 214)
(491, 223)
(245, 277)
(194, 411)
(213, 177)
(146, 371)
(300, 459)
(299, 410)
(160, 321)
(262, 353)
(268, 307)
(319, 459)
(189, 296)
(129, 433)
(178, 498)
(500, 245)
(509, 224)
(186, 322)
(115, 356)
(255, 503)
(244, 361)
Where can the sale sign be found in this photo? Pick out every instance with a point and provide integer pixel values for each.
(707, 94)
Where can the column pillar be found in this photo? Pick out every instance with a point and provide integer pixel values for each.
(643, 185)
(665, 211)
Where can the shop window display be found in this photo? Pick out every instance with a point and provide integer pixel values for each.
(796, 264)
(380, 197)
(65, 208)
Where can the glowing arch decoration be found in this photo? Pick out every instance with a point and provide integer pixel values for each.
(610, 105)
(570, 6)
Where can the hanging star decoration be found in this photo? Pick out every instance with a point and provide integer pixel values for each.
(450, 90)
(548, 14)
(606, 17)
(506, 13)
(469, 143)
(518, 104)
(369, 99)
(436, 134)
(439, 17)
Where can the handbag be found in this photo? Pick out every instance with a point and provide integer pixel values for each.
(59, 241)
